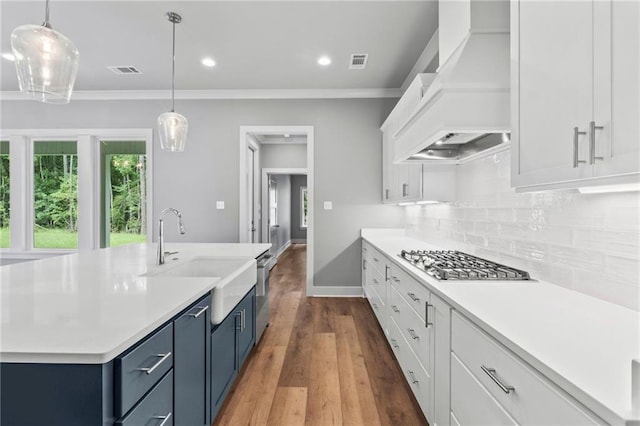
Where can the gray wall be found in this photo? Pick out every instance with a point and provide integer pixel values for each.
(347, 165)
(283, 156)
(297, 233)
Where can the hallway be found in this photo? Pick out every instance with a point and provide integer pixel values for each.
(321, 361)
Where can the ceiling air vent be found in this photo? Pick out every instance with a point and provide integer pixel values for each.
(124, 70)
(358, 61)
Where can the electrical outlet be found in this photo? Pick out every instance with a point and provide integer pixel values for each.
(220, 205)
(328, 205)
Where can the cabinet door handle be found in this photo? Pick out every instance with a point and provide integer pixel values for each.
(149, 370)
(491, 372)
(375, 281)
(244, 319)
(413, 334)
(239, 316)
(375, 259)
(386, 194)
(395, 309)
(395, 344)
(375, 306)
(200, 312)
(386, 273)
(405, 189)
(427, 323)
(576, 147)
(413, 377)
(592, 142)
(164, 419)
(364, 264)
(414, 297)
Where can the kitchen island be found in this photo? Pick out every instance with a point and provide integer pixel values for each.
(77, 317)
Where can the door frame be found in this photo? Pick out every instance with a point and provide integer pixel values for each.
(266, 174)
(245, 136)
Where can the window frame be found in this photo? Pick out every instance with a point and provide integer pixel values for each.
(21, 150)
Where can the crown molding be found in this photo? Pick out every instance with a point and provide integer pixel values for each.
(137, 95)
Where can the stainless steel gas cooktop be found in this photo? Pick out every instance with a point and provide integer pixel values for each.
(455, 265)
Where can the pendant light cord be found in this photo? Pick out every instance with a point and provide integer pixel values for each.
(173, 68)
(46, 15)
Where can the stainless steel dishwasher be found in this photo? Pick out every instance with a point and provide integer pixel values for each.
(265, 263)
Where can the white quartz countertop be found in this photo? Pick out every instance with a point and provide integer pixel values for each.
(89, 307)
(583, 344)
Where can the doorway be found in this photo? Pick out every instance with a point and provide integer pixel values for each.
(259, 213)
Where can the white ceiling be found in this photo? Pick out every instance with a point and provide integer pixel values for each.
(256, 44)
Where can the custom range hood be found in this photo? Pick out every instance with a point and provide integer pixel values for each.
(466, 109)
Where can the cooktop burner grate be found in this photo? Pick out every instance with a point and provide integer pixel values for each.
(456, 265)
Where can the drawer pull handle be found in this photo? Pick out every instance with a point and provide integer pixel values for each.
(395, 309)
(375, 281)
(375, 259)
(413, 377)
(164, 419)
(413, 334)
(413, 297)
(491, 372)
(149, 370)
(394, 342)
(200, 312)
(375, 306)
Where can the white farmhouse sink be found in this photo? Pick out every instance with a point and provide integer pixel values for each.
(234, 278)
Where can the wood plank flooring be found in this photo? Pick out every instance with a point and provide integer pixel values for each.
(321, 362)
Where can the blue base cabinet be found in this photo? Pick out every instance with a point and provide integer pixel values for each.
(191, 365)
(231, 343)
(163, 379)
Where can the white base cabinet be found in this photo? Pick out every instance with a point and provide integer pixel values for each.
(459, 374)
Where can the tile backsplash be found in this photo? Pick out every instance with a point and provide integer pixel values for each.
(586, 242)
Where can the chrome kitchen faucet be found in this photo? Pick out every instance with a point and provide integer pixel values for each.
(161, 252)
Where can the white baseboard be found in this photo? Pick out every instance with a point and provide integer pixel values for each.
(283, 248)
(336, 291)
(299, 241)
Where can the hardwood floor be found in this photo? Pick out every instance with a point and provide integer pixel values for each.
(321, 361)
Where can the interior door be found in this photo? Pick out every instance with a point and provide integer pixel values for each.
(273, 215)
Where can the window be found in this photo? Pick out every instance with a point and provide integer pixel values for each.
(74, 189)
(273, 203)
(55, 194)
(303, 207)
(4, 194)
(124, 204)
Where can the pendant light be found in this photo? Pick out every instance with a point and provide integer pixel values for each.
(173, 127)
(46, 61)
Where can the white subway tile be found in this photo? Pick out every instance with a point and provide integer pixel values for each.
(602, 287)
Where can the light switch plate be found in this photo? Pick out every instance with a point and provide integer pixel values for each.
(328, 205)
(220, 205)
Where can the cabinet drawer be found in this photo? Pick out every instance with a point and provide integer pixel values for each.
(155, 408)
(379, 309)
(376, 259)
(419, 380)
(471, 403)
(411, 325)
(411, 290)
(526, 394)
(141, 368)
(377, 282)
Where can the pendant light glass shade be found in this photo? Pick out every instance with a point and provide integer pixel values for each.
(46, 62)
(173, 127)
(172, 130)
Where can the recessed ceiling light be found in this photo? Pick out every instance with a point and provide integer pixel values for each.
(286, 135)
(9, 57)
(208, 62)
(324, 61)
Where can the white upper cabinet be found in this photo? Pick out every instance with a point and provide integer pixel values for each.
(574, 93)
